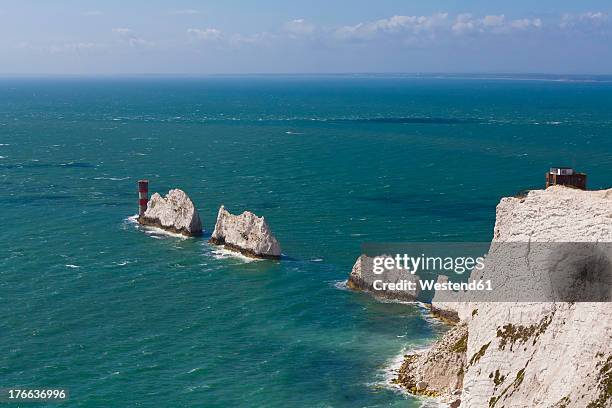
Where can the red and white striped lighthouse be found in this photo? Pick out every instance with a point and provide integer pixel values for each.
(143, 196)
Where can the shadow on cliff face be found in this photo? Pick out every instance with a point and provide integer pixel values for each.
(581, 272)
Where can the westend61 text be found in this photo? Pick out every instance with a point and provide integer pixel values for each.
(406, 285)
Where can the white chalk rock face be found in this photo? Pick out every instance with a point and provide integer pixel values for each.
(245, 233)
(391, 284)
(538, 354)
(174, 213)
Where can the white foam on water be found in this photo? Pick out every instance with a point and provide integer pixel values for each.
(391, 370)
(72, 266)
(341, 285)
(159, 233)
(153, 232)
(112, 178)
(219, 252)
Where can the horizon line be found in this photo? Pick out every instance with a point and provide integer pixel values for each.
(414, 73)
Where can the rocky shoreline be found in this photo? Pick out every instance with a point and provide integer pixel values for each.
(437, 372)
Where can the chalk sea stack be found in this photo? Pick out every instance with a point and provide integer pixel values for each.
(174, 213)
(245, 233)
(362, 277)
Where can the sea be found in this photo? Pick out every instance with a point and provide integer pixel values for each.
(122, 316)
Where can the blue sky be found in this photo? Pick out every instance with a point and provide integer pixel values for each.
(315, 36)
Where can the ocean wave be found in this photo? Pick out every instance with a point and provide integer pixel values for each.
(391, 371)
(112, 178)
(77, 165)
(341, 285)
(410, 120)
(334, 119)
(153, 232)
(219, 252)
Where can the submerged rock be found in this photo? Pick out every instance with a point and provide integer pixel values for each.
(245, 233)
(174, 213)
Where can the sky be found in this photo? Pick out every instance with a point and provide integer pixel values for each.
(314, 36)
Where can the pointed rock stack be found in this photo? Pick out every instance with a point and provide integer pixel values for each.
(245, 233)
(174, 213)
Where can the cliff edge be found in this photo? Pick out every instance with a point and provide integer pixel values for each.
(527, 354)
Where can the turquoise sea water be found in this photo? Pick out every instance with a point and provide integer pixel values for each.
(123, 318)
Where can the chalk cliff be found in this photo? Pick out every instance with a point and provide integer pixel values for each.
(526, 354)
(437, 372)
(174, 213)
(245, 233)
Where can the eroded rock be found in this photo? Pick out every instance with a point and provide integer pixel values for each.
(362, 277)
(245, 233)
(437, 372)
(174, 213)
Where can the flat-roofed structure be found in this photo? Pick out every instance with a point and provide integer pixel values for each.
(565, 176)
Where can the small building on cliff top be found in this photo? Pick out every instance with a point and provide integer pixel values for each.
(565, 176)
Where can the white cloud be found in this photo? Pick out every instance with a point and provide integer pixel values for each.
(207, 34)
(93, 13)
(298, 27)
(121, 30)
(493, 21)
(127, 36)
(590, 18)
(525, 23)
(259, 39)
(597, 17)
(74, 47)
(395, 24)
(186, 12)
(464, 23)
